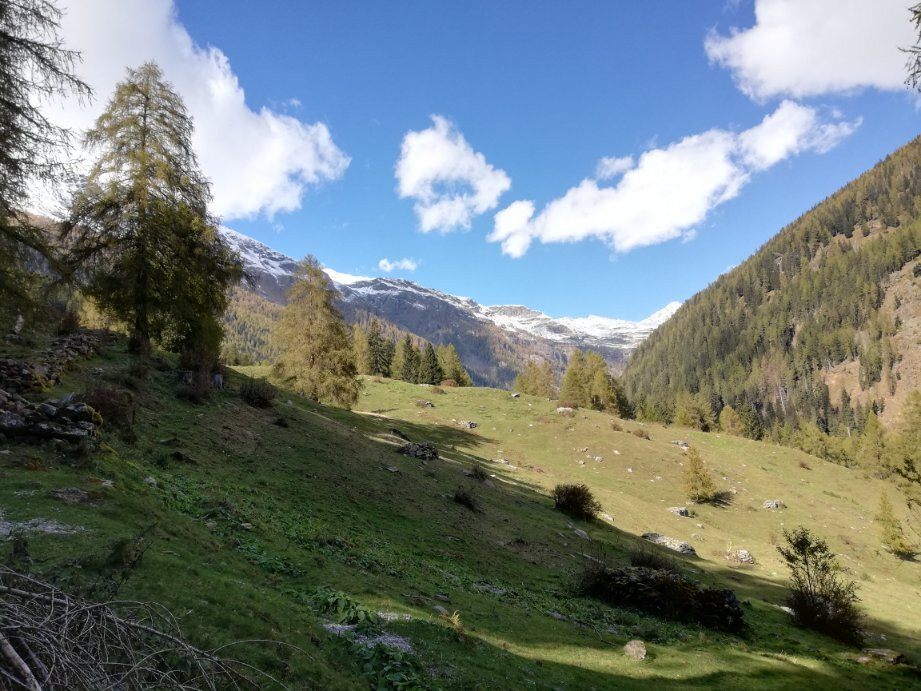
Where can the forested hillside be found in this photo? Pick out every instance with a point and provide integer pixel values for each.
(813, 326)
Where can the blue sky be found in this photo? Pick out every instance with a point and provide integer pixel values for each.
(305, 113)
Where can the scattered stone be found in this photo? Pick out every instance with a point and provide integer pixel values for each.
(581, 533)
(671, 543)
(681, 443)
(679, 511)
(743, 556)
(246, 526)
(466, 424)
(150, 480)
(608, 517)
(565, 410)
(635, 650)
(558, 616)
(772, 504)
(424, 450)
(424, 403)
(440, 610)
(442, 596)
(47, 410)
(36, 525)
(516, 395)
(388, 617)
(72, 495)
(392, 468)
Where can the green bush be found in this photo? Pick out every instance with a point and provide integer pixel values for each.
(576, 500)
(258, 393)
(820, 598)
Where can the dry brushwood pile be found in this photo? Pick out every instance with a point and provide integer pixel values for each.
(51, 640)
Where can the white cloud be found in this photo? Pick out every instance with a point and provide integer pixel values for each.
(669, 190)
(610, 167)
(258, 161)
(399, 264)
(449, 181)
(810, 47)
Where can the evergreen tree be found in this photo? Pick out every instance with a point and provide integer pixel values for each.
(693, 410)
(139, 228)
(871, 448)
(905, 452)
(34, 65)
(429, 368)
(698, 482)
(731, 422)
(315, 356)
(451, 365)
(891, 530)
(574, 388)
(361, 350)
(380, 351)
(406, 361)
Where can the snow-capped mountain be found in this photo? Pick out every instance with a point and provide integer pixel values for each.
(493, 341)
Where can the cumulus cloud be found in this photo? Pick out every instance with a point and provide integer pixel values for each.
(387, 266)
(259, 161)
(449, 182)
(817, 47)
(669, 190)
(610, 167)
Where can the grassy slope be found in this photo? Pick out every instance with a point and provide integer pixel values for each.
(326, 510)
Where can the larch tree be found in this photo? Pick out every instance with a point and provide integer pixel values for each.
(361, 350)
(574, 388)
(315, 355)
(139, 231)
(871, 448)
(451, 365)
(698, 482)
(730, 422)
(34, 67)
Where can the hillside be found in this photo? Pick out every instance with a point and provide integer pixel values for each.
(494, 342)
(831, 304)
(245, 512)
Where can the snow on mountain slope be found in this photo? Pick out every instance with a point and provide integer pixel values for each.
(441, 317)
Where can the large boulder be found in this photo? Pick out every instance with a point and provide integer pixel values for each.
(671, 543)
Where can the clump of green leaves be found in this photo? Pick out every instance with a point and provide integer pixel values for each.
(343, 609)
(258, 393)
(389, 668)
(821, 599)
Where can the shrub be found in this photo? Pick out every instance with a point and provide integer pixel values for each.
(821, 599)
(437, 390)
(641, 433)
(664, 594)
(652, 559)
(258, 393)
(343, 609)
(478, 474)
(576, 500)
(114, 404)
(891, 530)
(465, 497)
(448, 383)
(616, 426)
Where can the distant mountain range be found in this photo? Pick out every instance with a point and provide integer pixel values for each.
(493, 342)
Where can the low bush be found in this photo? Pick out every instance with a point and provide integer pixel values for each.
(478, 474)
(652, 559)
(448, 383)
(821, 599)
(664, 594)
(465, 497)
(641, 433)
(576, 500)
(437, 390)
(616, 426)
(258, 393)
(114, 404)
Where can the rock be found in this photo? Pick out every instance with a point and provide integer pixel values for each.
(440, 610)
(893, 657)
(516, 395)
(47, 410)
(425, 450)
(772, 504)
(565, 410)
(679, 510)
(442, 596)
(558, 616)
(743, 556)
(635, 650)
(581, 533)
(424, 403)
(671, 543)
(246, 526)
(71, 495)
(398, 434)
(681, 442)
(150, 480)
(466, 424)
(108, 484)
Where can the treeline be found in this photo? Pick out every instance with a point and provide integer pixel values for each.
(759, 339)
(408, 359)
